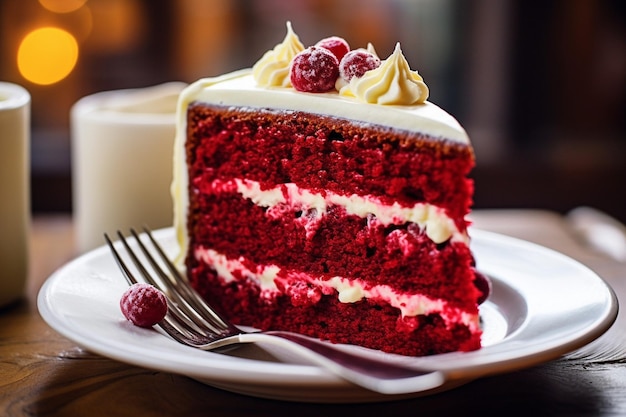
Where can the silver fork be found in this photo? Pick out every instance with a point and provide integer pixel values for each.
(192, 322)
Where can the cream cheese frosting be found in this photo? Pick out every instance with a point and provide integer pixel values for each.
(240, 89)
(433, 220)
(393, 82)
(346, 290)
(272, 70)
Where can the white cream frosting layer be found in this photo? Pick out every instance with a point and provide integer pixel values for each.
(393, 82)
(437, 225)
(346, 290)
(238, 89)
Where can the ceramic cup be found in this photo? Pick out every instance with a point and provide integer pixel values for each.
(122, 151)
(14, 190)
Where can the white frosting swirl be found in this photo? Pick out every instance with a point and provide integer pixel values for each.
(272, 70)
(393, 82)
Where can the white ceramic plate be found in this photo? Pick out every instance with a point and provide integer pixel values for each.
(543, 305)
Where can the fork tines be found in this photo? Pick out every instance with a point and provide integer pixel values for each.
(188, 314)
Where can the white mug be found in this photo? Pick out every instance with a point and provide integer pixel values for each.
(122, 151)
(14, 190)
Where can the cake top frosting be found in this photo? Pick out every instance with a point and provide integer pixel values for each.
(240, 89)
(390, 82)
(389, 94)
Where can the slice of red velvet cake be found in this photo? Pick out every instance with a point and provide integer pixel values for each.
(338, 213)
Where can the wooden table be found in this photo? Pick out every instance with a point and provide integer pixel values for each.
(45, 374)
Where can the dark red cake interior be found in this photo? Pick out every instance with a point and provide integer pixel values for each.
(323, 154)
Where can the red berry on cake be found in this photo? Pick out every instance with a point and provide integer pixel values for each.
(483, 285)
(314, 70)
(143, 305)
(338, 46)
(356, 63)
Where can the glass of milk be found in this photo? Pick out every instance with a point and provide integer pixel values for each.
(122, 150)
(14, 190)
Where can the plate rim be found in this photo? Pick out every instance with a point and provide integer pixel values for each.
(285, 374)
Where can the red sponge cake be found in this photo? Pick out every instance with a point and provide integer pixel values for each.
(337, 213)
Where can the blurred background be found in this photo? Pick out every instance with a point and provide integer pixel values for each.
(540, 86)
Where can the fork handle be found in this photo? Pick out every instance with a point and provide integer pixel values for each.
(374, 375)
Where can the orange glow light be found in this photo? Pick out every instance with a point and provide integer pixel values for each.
(47, 55)
(62, 6)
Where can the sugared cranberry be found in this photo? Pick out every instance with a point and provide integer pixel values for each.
(407, 324)
(143, 305)
(356, 63)
(338, 46)
(482, 284)
(314, 70)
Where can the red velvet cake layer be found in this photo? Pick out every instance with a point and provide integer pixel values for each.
(366, 323)
(340, 156)
(325, 155)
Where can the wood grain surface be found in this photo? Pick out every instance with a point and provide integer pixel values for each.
(44, 374)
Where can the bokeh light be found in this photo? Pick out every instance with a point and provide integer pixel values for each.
(47, 55)
(62, 6)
